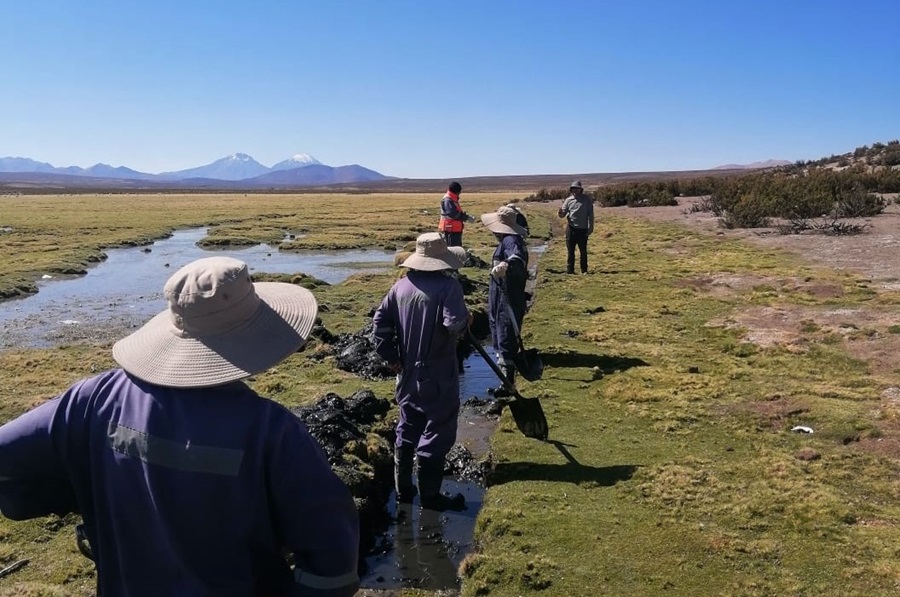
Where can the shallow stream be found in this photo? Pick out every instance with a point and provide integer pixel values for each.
(125, 290)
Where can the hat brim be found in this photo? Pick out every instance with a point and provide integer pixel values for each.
(160, 354)
(494, 224)
(453, 258)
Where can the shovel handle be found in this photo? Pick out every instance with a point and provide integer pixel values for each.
(511, 314)
(487, 359)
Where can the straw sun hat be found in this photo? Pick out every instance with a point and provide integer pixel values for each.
(219, 327)
(432, 254)
(503, 221)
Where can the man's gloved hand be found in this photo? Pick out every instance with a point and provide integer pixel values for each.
(470, 218)
(498, 272)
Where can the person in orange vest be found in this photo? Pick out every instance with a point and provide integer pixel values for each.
(453, 218)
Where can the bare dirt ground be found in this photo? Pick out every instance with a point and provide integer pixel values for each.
(872, 254)
(869, 333)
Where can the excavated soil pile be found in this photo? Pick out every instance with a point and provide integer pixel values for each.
(357, 441)
(462, 464)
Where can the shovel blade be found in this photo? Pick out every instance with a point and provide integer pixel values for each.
(529, 365)
(527, 412)
(529, 417)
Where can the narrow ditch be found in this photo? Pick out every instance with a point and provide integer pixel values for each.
(406, 546)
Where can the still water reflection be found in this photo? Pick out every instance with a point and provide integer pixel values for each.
(126, 289)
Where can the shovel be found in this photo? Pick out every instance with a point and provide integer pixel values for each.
(527, 412)
(528, 362)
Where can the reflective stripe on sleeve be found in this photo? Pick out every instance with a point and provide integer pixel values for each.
(179, 455)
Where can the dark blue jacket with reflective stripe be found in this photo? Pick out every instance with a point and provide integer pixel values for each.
(188, 492)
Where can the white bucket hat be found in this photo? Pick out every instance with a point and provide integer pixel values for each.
(503, 221)
(219, 327)
(432, 254)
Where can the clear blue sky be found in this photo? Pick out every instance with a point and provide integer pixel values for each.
(425, 89)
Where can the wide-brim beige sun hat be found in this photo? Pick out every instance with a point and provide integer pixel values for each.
(220, 327)
(503, 221)
(432, 254)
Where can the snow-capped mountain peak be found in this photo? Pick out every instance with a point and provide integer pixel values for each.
(236, 166)
(299, 160)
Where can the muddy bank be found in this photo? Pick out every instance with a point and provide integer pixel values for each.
(401, 545)
(358, 442)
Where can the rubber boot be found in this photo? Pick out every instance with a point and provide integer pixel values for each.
(403, 468)
(431, 476)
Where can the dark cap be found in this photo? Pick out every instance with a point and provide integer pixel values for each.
(455, 187)
(576, 185)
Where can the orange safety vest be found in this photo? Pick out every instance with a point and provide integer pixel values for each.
(449, 224)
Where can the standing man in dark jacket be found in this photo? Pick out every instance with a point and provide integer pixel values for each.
(453, 218)
(506, 294)
(189, 483)
(578, 209)
(416, 330)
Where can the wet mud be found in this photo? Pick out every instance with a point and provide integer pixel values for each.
(404, 545)
(358, 442)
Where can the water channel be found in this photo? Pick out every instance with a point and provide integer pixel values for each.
(125, 290)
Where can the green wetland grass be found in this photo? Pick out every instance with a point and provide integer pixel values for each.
(671, 467)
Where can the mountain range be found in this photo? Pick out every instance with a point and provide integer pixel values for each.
(235, 170)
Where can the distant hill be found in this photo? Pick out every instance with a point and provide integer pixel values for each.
(12, 164)
(53, 180)
(316, 174)
(754, 165)
(878, 155)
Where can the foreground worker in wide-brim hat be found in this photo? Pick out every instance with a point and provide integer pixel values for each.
(190, 483)
(507, 300)
(417, 327)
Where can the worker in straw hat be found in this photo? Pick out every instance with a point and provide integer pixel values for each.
(506, 294)
(189, 483)
(521, 218)
(417, 327)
